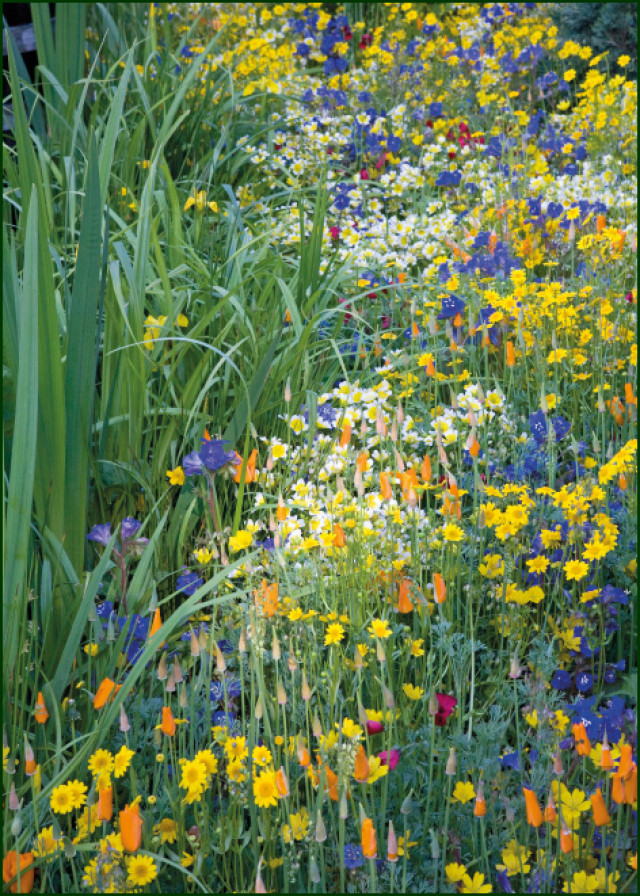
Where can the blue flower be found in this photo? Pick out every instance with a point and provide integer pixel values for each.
(100, 533)
(213, 455)
(188, 582)
(192, 465)
(584, 682)
(129, 527)
(353, 856)
(561, 680)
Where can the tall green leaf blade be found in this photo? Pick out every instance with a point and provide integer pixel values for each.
(71, 23)
(80, 367)
(23, 455)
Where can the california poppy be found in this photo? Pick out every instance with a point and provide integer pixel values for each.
(250, 472)
(439, 587)
(23, 862)
(41, 714)
(106, 691)
(600, 815)
(339, 540)
(425, 469)
(168, 724)
(385, 487)
(282, 783)
(345, 436)
(131, 828)
(267, 598)
(534, 813)
(361, 770)
(404, 601)
(105, 804)
(480, 809)
(583, 744)
(511, 355)
(368, 838)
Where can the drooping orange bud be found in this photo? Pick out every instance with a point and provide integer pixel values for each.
(206, 434)
(415, 330)
(345, 438)
(558, 767)
(425, 469)
(550, 813)
(29, 759)
(282, 783)
(583, 744)
(617, 788)
(156, 624)
(361, 770)
(339, 539)
(457, 320)
(168, 724)
(623, 483)
(131, 828)
(105, 804)
(41, 714)
(626, 761)
(511, 354)
(439, 587)
(480, 809)
(600, 815)
(385, 487)
(302, 753)
(404, 601)
(368, 839)
(106, 691)
(267, 598)
(534, 812)
(566, 839)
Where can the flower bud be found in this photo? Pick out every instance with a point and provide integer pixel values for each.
(275, 647)
(221, 666)
(450, 768)
(321, 831)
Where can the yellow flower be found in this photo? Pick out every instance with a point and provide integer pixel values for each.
(61, 800)
(101, 761)
(187, 860)
(334, 634)
(241, 540)
(350, 729)
(463, 792)
(262, 756)
(265, 791)
(236, 748)
(167, 830)
(451, 532)
(176, 477)
(413, 692)
(455, 872)
(200, 202)
(379, 628)
(298, 827)
(46, 843)
(623, 61)
(575, 569)
(538, 564)
(77, 793)
(236, 770)
(141, 870)
(91, 649)
(122, 759)
(569, 75)
(475, 884)
(376, 769)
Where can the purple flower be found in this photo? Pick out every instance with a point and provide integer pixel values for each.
(353, 856)
(213, 455)
(561, 680)
(100, 533)
(129, 527)
(192, 465)
(188, 582)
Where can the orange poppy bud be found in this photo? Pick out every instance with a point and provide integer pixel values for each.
(583, 744)
(457, 320)
(474, 451)
(534, 812)
(339, 540)
(345, 438)
(425, 469)
(156, 624)
(600, 223)
(606, 762)
(392, 844)
(361, 463)
(250, 472)
(105, 804)
(550, 813)
(566, 840)
(41, 714)
(385, 487)
(440, 588)
(631, 788)
(282, 783)
(629, 397)
(558, 767)
(600, 814)
(626, 761)
(287, 316)
(404, 601)
(511, 354)
(622, 482)
(361, 770)
(168, 725)
(332, 784)
(281, 512)
(368, 839)
(617, 789)
(480, 809)
(303, 754)
(29, 759)
(106, 691)
(14, 862)
(430, 369)
(131, 828)
(415, 329)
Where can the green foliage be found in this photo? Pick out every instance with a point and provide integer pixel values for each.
(610, 28)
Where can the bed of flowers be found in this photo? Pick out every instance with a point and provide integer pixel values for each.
(371, 626)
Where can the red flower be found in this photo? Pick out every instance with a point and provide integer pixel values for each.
(334, 232)
(393, 758)
(446, 705)
(364, 174)
(374, 727)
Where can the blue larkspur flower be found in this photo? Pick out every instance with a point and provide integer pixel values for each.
(353, 856)
(100, 533)
(188, 582)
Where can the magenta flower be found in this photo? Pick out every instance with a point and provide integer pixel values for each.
(374, 727)
(392, 760)
(446, 705)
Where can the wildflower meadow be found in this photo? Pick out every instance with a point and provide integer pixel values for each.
(320, 492)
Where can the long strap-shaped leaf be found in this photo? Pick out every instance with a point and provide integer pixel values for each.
(80, 368)
(23, 454)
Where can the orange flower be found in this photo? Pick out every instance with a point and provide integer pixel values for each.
(617, 789)
(131, 828)
(511, 354)
(480, 809)
(440, 588)
(339, 540)
(600, 814)
(302, 753)
(583, 744)
(425, 469)
(332, 784)
(156, 624)
(282, 784)
(474, 451)
(430, 370)
(626, 761)
(106, 691)
(385, 487)
(606, 762)
(566, 839)
(631, 787)
(41, 714)
(250, 472)
(105, 804)
(13, 862)
(629, 397)
(345, 436)
(281, 511)
(168, 725)
(361, 770)
(30, 766)
(361, 463)
(368, 838)
(534, 813)
(268, 599)
(404, 601)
